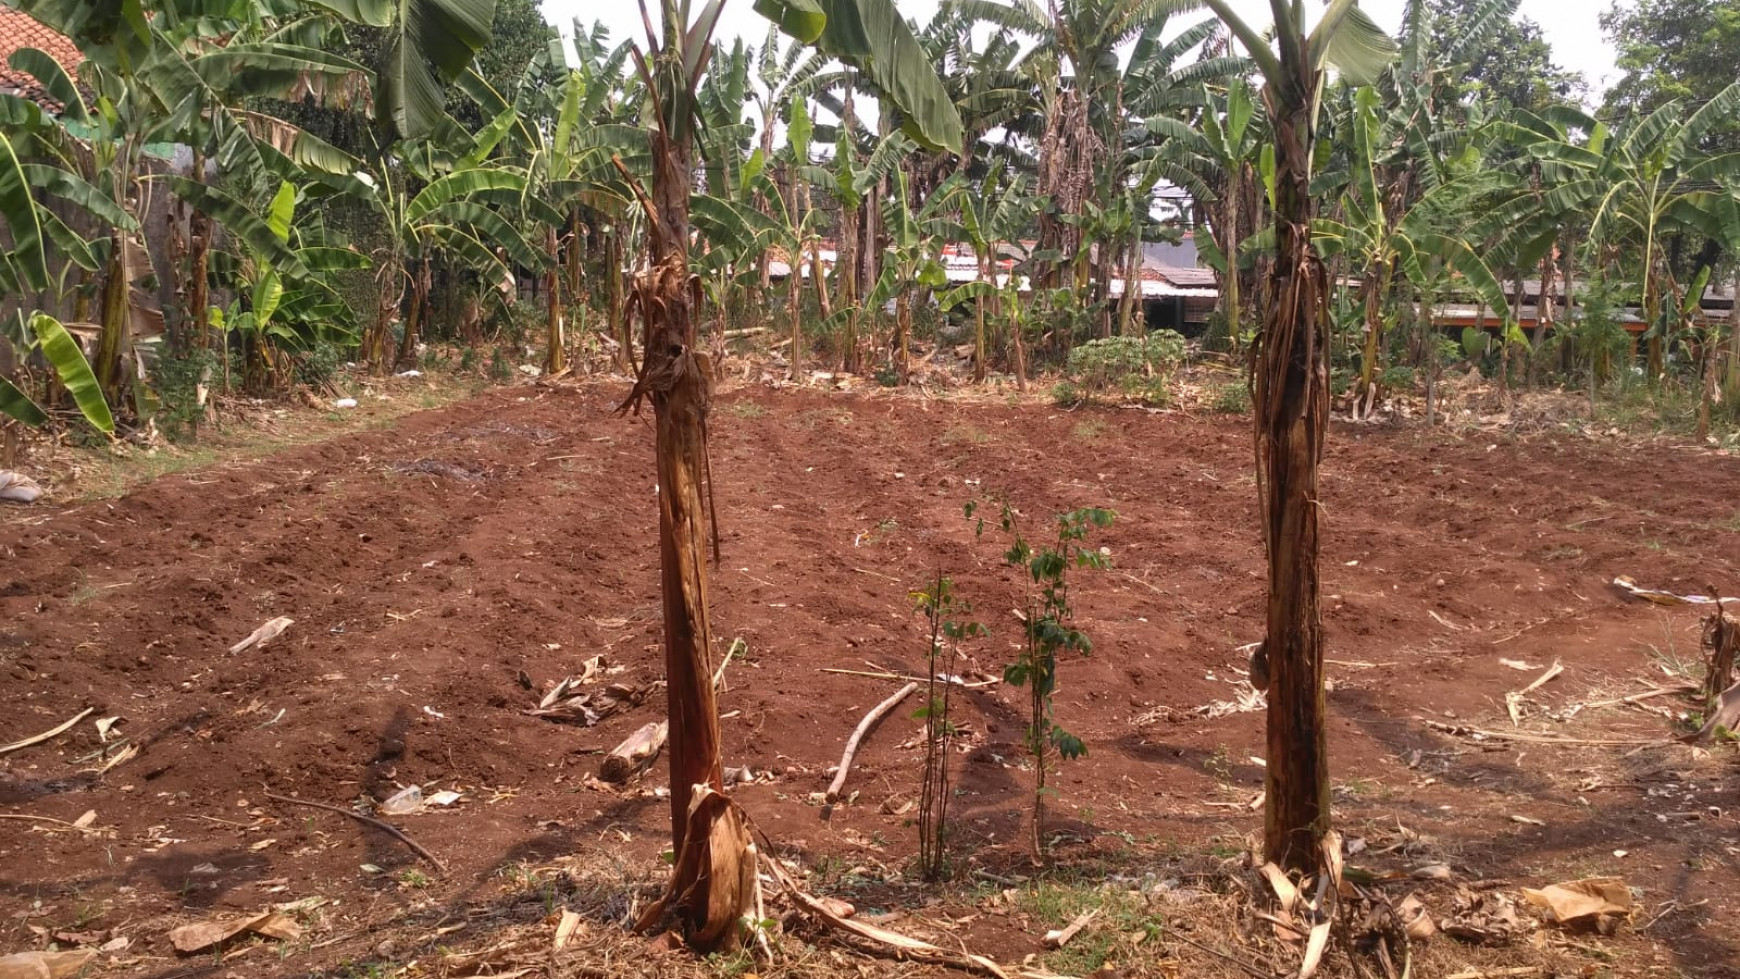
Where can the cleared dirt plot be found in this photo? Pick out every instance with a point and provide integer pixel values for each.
(443, 576)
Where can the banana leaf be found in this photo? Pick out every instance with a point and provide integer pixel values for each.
(16, 404)
(74, 371)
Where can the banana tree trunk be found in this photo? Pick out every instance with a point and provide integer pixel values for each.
(199, 263)
(1707, 395)
(1731, 385)
(794, 311)
(714, 874)
(613, 293)
(1371, 295)
(902, 330)
(113, 339)
(868, 252)
(1291, 394)
(1229, 306)
(390, 281)
(576, 303)
(846, 286)
(766, 260)
(1423, 311)
(818, 275)
(1546, 312)
(1653, 314)
(987, 273)
(1570, 275)
(794, 283)
(1127, 319)
(555, 354)
(419, 311)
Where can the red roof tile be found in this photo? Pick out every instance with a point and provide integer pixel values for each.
(20, 30)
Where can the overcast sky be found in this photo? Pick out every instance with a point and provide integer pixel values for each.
(1571, 26)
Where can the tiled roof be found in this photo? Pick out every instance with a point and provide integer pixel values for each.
(20, 30)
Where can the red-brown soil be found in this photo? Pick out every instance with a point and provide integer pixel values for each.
(429, 565)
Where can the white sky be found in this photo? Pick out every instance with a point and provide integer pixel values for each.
(1572, 27)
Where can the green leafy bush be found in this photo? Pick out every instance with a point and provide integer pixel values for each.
(1233, 398)
(176, 380)
(1128, 368)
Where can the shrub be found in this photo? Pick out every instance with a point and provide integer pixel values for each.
(1397, 378)
(1232, 398)
(1135, 368)
(320, 364)
(176, 381)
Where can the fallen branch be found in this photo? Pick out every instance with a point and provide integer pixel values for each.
(878, 675)
(370, 820)
(1539, 738)
(40, 819)
(1513, 700)
(902, 944)
(1552, 671)
(1640, 697)
(864, 726)
(47, 735)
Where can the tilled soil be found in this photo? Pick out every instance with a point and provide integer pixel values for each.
(436, 568)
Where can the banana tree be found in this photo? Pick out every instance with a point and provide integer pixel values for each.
(286, 303)
(1000, 209)
(1222, 151)
(713, 877)
(853, 186)
(782, 78)
(603, 121)
(798, 228)
(1075, 65)
(1290, 395)
(1639, 187)
(157, 80)
(1385, 230)
(25, 268)
(451, 212)
(914, 238)
(567, 165)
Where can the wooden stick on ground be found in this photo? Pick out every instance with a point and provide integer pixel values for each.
(39, 819)
(903, 945)
(1540, 738)
(372, 821)
(865, 725)
(880, 675)
(47, 735)
(1640, 697)
(874, 676)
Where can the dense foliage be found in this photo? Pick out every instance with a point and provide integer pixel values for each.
(322, 204)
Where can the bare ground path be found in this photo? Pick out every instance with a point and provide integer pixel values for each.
(431, 566)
